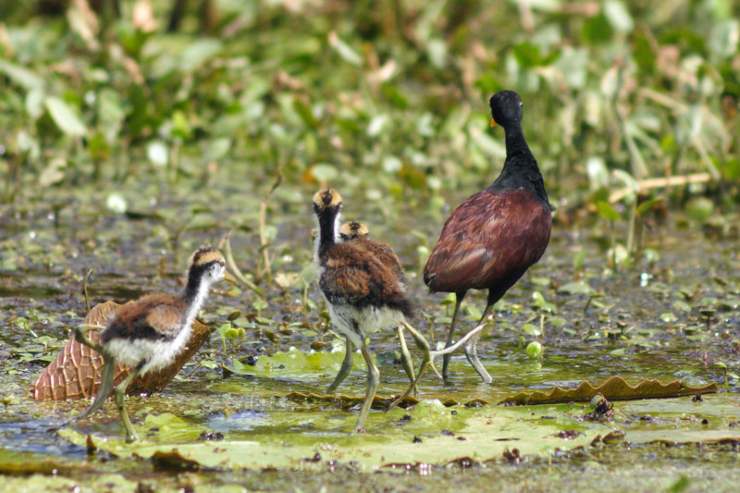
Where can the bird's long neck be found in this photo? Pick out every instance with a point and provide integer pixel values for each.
(516, 146)
(196, 292)
(328, 221)
(520, 168)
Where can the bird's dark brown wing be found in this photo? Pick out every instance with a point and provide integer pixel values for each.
(385, 254)
(167, 319)
(155, 316)
(488, 238)
(352, 274)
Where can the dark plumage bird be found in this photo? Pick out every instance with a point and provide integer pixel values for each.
(493, 237)
(147, 334)
(364, 294)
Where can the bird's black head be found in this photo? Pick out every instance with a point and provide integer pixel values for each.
(506, 108)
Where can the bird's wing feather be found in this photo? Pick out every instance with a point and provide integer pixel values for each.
(353, 274)
(349, 284)
(151, 317)
(385, 254)
(489, 237)
(165, 319)
(467, 247)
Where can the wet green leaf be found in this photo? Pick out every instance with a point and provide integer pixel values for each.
(345, 51)
(22, 76)
(65, 117)
(198, 52)
(534, 350)
(296, 364)
(700, 209)
(324, 173)
(606, 211)
(540, 303)
(577, 287)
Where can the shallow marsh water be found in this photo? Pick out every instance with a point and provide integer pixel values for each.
(673, 315)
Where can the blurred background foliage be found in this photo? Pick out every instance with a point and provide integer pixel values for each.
(386, 97)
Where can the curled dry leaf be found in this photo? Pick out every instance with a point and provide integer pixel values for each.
(613, 388)
(76, 372)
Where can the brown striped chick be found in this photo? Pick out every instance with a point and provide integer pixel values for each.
(147, 334)
(363, 292)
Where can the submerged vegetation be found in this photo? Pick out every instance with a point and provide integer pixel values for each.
(126, 142)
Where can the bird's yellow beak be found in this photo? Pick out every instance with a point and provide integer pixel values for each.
(492, 123)
(229, 277)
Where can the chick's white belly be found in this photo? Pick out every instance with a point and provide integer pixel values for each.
(155, 354)
(358, 323)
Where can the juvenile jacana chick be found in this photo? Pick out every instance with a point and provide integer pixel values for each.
(148, 333)
(363, 293)
(356, 231)
(353, 230)
(494, 236)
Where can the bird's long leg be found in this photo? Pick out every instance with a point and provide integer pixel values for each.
(373, 378)
(346, 367)
(446, 358)
(471, 350)
(106, 386)
(131, 435)
(406, 361)
(421, 343)
(428, 359)
(81, 336)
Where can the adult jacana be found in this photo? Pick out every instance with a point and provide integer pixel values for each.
(148, 333)
(364, 294)
(493, 237)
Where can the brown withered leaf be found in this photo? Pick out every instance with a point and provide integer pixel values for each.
(76, 372)
(173, 461)
(613, 388)
(347, 401)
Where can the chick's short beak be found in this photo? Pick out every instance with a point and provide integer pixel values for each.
(229, 277)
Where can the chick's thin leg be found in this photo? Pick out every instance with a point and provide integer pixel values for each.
(346, 367)
(406, 361)
(131, 435)
(373, 379)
